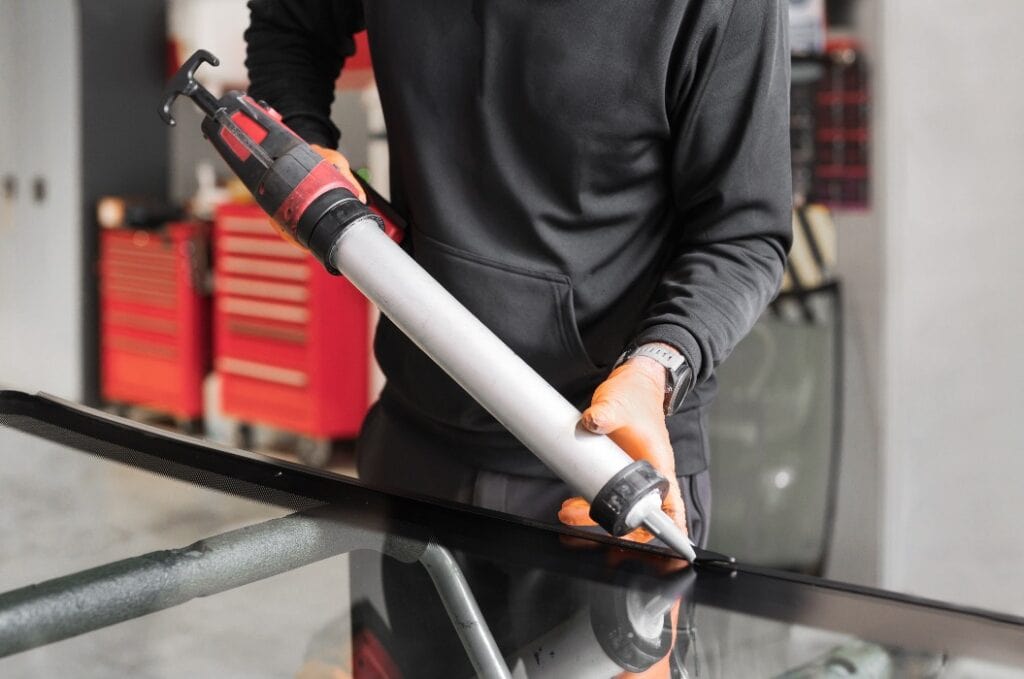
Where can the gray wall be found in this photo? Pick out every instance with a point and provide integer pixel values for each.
(953, 165)
(124, 142)
(931, 493)
(856, 554)
(856, 550)
(40, 234)
(78, 98)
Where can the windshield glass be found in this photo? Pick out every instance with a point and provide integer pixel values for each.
(127, 552)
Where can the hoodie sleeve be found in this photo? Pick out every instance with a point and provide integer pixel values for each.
(730, 171)
(294, 54)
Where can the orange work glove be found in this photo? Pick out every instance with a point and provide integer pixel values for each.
(629, 407)
(663, 668)
(339, 161)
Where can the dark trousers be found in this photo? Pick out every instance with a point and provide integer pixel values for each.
(518, 605)
(394, 453)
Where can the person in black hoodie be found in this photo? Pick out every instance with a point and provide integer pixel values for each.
(605, 184)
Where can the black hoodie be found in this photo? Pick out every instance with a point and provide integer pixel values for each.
(581, 174)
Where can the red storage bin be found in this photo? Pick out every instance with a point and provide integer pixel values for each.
(291, 342)
(155, 318)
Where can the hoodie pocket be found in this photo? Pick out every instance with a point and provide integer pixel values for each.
(531, 311)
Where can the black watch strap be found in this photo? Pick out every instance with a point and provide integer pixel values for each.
(678, 374)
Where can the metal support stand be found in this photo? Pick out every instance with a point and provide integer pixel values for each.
(464, 613)
(92, 599)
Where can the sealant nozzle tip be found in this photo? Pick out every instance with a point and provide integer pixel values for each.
(666, 530)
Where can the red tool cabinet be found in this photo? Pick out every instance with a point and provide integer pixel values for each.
(291, 342)
(154, 318)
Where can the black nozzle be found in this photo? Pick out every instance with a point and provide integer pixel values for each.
(611, 506)
(184, 82)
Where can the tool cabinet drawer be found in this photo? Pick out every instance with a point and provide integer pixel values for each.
(291, 342)
(154, 317)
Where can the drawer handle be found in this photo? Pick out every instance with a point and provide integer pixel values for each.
(255, 329)
(259, 246)
(246, 225)
(261, 371)
(255, 267)
(277, 312)
(280, 291)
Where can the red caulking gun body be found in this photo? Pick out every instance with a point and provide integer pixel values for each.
(309, 198)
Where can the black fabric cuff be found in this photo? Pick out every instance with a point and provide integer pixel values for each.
(678, 337)
(314, 131)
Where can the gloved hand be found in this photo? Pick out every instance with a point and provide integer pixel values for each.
(629, 408)
(341, 162)
(663, 668)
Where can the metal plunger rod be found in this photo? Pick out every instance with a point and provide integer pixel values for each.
(530, 408)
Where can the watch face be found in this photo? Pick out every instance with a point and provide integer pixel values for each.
(682, 377)
(675, 400)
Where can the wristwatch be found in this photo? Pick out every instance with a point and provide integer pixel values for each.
(678, 374)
